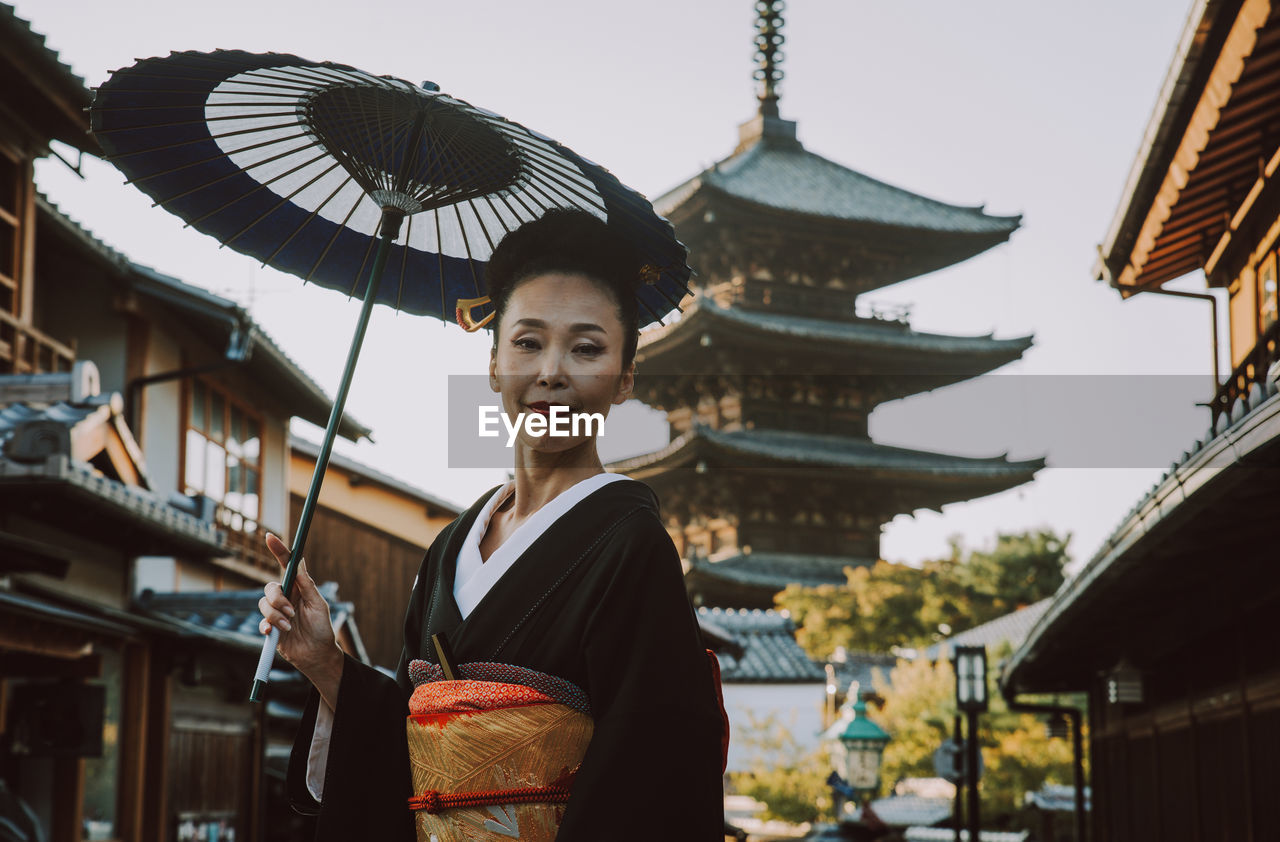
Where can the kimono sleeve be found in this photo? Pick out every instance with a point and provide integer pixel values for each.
(367, 780)
(653, 767)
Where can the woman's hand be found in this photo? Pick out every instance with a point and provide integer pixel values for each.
(306, 633)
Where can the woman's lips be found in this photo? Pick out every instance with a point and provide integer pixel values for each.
(544, 408)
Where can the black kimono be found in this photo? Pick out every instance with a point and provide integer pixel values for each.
(597, 599)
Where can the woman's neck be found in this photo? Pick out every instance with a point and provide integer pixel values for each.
(541, 477)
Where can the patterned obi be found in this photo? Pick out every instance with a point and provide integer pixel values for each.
(493, 754)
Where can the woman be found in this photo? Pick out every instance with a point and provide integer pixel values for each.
(566, 570)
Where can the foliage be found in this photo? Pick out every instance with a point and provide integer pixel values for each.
(790, 781)
(889, 606)
(918, 712)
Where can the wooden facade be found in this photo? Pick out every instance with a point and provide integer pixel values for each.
(369, 534)
(144, 425)
(1170, 627)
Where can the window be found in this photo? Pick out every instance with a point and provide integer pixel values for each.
(12, 184)
(223, 455)
(101, 773)
(1267, 292)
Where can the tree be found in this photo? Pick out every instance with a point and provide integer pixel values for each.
(788, 780)
(918, 713)
(886, 606)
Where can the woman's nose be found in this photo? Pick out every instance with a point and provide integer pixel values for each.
(551, 372)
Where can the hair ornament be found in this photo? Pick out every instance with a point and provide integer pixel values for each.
(462, 311)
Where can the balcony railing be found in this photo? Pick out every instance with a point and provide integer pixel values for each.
(25, 350)
(1247, 378)
(814, 302)
(246, 539)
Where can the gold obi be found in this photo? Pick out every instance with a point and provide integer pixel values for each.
(491, 761)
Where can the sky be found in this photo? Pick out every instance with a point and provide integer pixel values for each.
(1026, 108)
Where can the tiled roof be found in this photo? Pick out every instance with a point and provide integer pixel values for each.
(312, 402)
(862, 668)
(777, 570)
(911, 810)
(63, 413)
(771, 447)
(1056, 798)
(59, 469)
(1012, 628)
(789, 178)
(946, 834)
(770, 651)
(21, 41)
(232, 616)
(337, 460)
(1218, 449)
(865, 333)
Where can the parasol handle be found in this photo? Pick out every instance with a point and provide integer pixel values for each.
(391, 219)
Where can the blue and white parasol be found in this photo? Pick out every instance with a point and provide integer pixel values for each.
(317, 169)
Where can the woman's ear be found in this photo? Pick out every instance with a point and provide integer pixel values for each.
(493, 370)
(626, 384)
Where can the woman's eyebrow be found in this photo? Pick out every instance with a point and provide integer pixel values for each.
(578, 327)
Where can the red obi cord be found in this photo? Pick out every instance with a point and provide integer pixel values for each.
(434, 802)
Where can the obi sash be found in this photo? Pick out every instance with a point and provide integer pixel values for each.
(493, 753)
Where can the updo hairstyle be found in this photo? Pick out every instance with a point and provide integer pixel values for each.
(569, 242)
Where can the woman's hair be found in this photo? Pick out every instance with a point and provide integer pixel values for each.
(571, 242)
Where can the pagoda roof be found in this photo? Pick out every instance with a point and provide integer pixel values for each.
(750, 580)
(782, 448)
(785, 176)
(777, 570)
(971, 354)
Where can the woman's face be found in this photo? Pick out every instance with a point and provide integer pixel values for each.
(559, 350)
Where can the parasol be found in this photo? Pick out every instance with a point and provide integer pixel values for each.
(317, 169)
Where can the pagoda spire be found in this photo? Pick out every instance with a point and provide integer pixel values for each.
(767, 125)
(769, 41)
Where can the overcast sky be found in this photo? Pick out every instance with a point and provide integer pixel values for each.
(1030, 108)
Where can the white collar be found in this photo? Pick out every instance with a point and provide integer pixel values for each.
(475, 576)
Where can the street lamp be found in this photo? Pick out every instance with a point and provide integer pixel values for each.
(857, 745)
(971, 699)
(971, 678)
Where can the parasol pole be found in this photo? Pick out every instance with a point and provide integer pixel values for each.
(390, 229)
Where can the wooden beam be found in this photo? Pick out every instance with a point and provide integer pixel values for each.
(34, 637)
(155, 795)
(35, 666)
(1242, 212)
(134, 731)
(1226, 71)
(68, 799)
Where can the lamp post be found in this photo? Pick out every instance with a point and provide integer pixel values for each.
(857, 746)
(971, 699)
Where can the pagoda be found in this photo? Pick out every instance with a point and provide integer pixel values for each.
(769, 375)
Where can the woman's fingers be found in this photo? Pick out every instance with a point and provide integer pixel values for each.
(274, 595)
(272, 616)
(278, 549)
(306, 586)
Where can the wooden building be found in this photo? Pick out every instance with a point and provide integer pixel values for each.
(770, 374)
(1170, 628)
(144, 449)
(370, 533)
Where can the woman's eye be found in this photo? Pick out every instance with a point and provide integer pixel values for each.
(588, 349)
(525, 343)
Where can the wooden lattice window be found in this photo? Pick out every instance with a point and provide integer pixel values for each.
(222, 455)
(1267, 292)
(12, 193)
